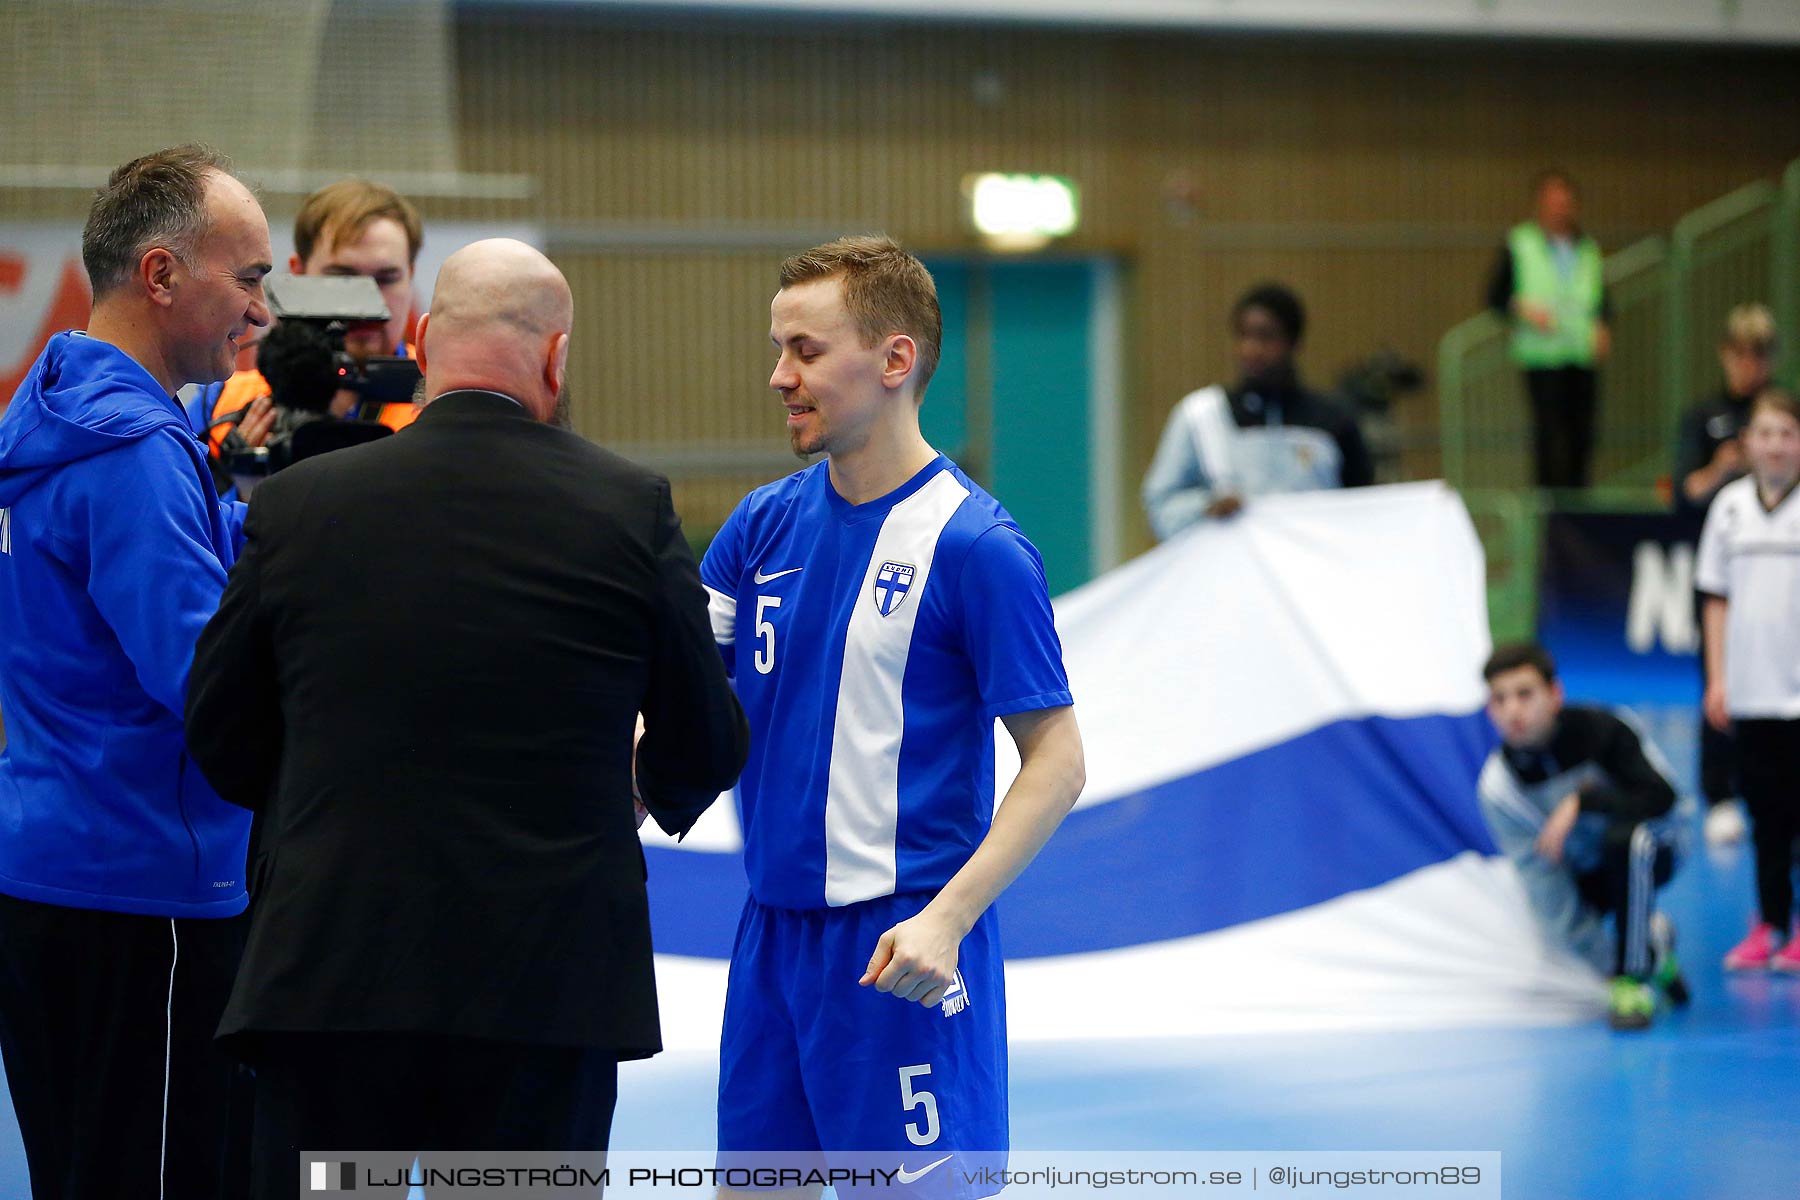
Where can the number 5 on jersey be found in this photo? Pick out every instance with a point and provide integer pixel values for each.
(765, 635)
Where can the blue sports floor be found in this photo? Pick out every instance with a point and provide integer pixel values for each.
(1704, 1104)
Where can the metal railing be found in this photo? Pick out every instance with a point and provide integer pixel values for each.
(1669, 301)
(1784, 271)
(1510, 523)
(1720, 255)
(1483, 412)
(1636, 429)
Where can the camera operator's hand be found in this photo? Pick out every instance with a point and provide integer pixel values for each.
(258, 420)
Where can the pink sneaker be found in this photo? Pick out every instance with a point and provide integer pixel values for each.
(1787, 959)
(1755, 951)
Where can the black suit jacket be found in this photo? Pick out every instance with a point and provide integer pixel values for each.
(425, 673)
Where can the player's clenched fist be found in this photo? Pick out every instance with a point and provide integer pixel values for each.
(915, 960)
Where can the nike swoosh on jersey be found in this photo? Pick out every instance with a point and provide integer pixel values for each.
(905, 1176)
(761, 578)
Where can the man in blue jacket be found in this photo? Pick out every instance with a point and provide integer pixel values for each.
(120, 868)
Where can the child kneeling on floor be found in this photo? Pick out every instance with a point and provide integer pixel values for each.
(1574, 800)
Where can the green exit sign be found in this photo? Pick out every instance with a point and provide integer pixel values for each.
(1022, 212)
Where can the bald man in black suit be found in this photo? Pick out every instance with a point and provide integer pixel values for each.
(425, 673)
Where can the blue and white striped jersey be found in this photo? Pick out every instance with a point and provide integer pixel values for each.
(873, 645)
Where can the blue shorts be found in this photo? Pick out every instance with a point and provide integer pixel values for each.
(810, 1062)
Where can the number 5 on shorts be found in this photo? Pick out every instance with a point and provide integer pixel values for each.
(911, 1099)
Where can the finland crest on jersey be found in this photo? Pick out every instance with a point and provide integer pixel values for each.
(892, 582)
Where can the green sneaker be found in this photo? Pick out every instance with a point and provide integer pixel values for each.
(1666, 970)
(1632, 1003)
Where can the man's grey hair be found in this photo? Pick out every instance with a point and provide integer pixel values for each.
(156, 200)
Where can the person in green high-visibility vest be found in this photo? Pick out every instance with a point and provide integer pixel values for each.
(1547, 284)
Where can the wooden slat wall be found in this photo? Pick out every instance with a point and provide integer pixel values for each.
(671, 348)
(1375, 176)
(679, 160)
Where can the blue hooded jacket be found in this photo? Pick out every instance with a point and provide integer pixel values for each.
(113, 553)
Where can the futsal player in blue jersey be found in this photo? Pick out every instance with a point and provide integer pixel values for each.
(879, 611)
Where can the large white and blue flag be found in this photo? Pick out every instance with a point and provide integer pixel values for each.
(1283, 724)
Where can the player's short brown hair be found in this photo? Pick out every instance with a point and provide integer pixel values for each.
(1519, 654)
(886, 291)
(156, 200)
(342, 210)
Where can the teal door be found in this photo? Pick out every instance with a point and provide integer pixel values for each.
(1025, 399)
